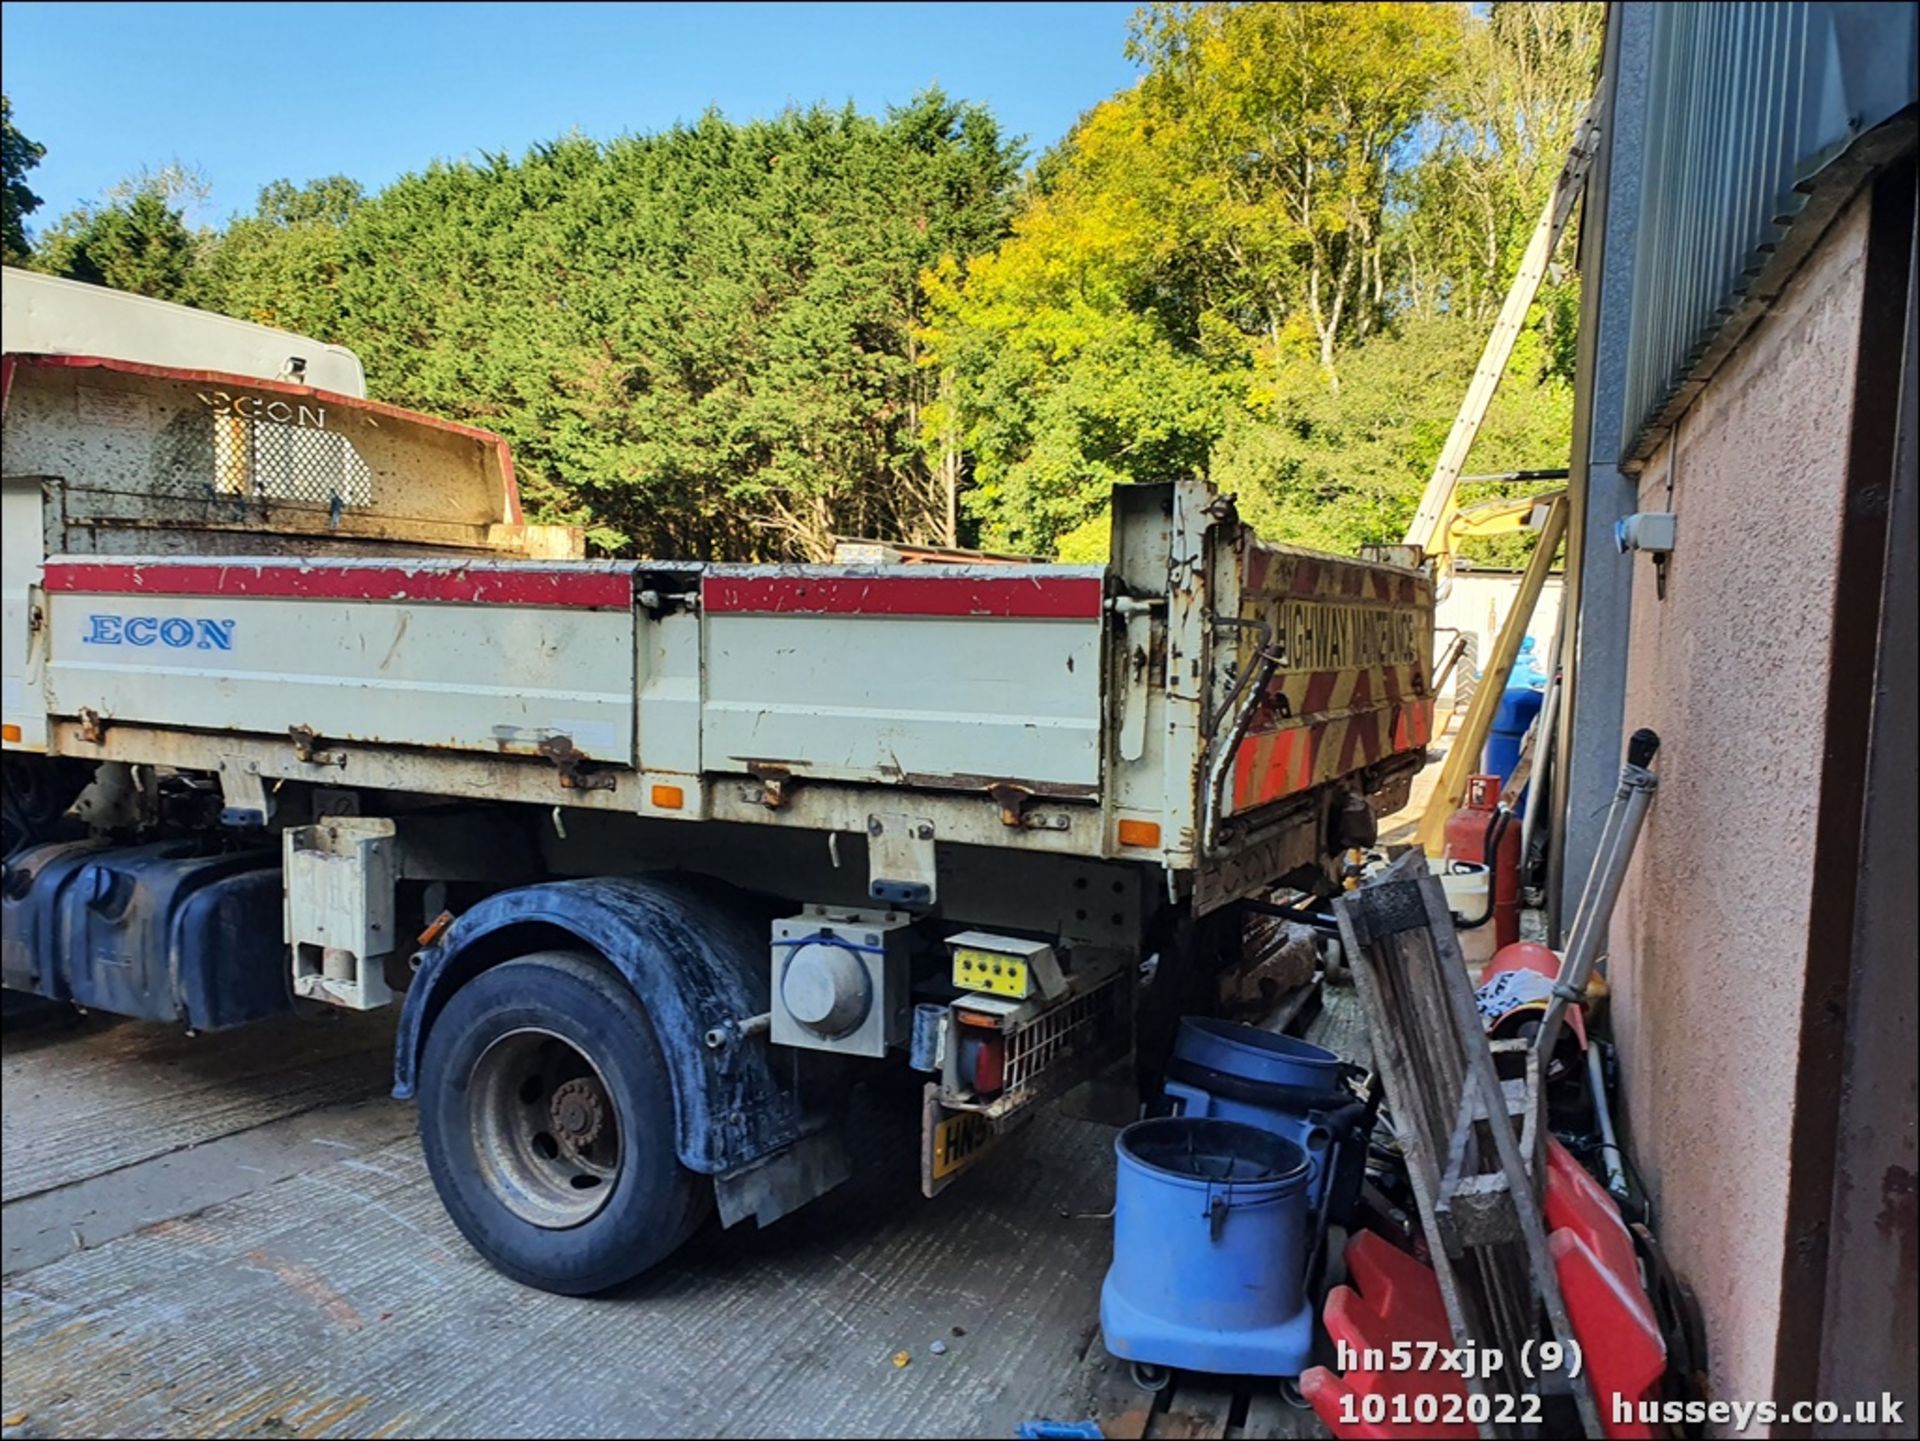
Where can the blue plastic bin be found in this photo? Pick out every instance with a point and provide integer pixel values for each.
(1231, 1072)
(1211, 1229)
(1518, 706)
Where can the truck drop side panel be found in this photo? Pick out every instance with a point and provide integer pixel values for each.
(963, 678)
(396, 625)
(479, 657)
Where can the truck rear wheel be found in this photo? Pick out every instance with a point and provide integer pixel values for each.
(547, 1119)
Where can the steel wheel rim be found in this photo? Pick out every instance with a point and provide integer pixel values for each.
(545, 1130)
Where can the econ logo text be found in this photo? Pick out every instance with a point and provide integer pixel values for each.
(175, 632)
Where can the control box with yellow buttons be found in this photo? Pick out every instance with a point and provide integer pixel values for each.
(1005, 966)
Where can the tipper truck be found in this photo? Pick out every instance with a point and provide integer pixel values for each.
(657, 859)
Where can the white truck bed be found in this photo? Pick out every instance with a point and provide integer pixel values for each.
(850, 676)
(1185, 704)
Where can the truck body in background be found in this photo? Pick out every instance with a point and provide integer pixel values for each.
(45, 315)
(657, 858)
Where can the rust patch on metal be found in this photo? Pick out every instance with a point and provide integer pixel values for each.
(1012, 796)
(572, 765)
(967, 781)
(1012, 800)
(776, 782)
(436, 928)
(304, 740)
(93, 729)
(308, 745)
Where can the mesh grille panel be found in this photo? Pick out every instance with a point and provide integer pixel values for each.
(201, 455)
(1062, 1032)
(288, 462)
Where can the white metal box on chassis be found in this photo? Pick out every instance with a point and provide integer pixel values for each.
(840, 979)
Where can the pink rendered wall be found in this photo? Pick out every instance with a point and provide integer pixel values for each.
(1709, 943)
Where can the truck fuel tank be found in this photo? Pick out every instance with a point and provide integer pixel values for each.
(170, 931)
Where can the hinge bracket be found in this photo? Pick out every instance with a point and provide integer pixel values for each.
(572, 765)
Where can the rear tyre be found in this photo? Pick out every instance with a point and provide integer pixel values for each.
(547, 1120)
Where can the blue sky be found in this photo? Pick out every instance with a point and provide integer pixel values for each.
(250, 93)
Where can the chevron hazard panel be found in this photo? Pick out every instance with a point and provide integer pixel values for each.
(1353, 643)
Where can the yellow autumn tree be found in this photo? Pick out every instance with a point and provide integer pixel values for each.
(1194, 274)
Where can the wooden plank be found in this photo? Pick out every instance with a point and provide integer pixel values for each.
(1459, 1145)
(1522, 772)
(1463, 756)
(1471, 1167)
(1269, 1418)
(1372, 923)
(1479, 1057)
(1339, 1024)
(1199, 1412)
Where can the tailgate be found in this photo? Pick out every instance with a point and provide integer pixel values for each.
(493, 657)
(1342, 651)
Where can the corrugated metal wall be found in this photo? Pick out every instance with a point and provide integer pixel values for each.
(1747, 104)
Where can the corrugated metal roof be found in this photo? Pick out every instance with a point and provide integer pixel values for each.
(1749, 107)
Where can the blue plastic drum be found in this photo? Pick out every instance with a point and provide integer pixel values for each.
(1211, 1228)
(1298, 1090)
(1519, 705)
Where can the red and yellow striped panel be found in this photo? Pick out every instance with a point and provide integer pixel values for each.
(1296, 756)
(1312, 726)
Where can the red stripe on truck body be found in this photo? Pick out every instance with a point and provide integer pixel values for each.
(1051, 597)
(455, 582)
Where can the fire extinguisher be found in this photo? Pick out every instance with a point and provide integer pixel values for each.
(1482, 832)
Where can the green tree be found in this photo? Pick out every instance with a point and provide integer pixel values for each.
(1270, 130)
(138, 239)
(1073, 357)
(700, 342)
(1225, 216)
(281, 266)
(1341, 470)
(1500, 129)
(18, 155)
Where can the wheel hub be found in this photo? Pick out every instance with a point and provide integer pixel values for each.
(546, 1132)
(578, 1112)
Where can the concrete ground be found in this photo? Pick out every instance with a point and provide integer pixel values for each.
(235, 1235)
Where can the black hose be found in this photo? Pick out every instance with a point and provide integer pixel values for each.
(1289, 913)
